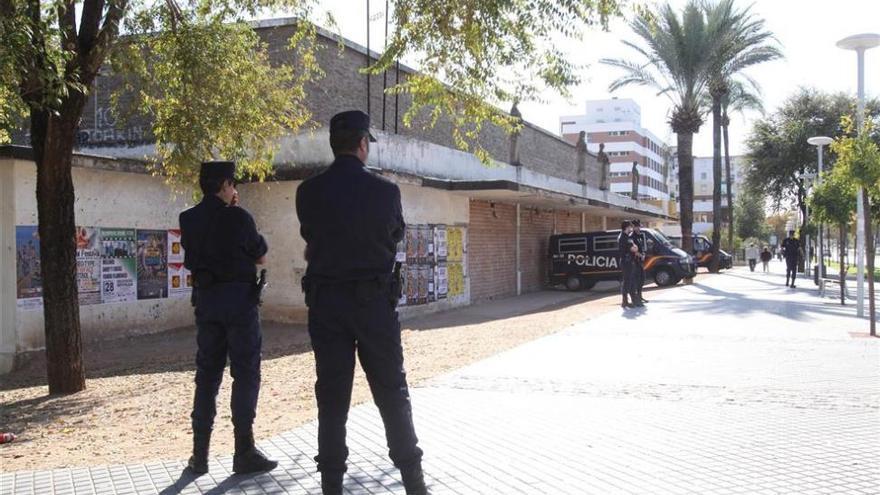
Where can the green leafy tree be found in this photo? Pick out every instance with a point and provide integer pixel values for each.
(858, 157)
(198, 69)
(742, 42)
(777, 148)
(834, 202)
(674, 57)
(751, 221)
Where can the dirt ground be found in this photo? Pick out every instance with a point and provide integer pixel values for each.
(139, 391)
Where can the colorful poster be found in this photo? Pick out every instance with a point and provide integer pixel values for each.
(426, 284)
(180, 281)
(441, 243)
(118, 271)
(454, 245)
(412, 285)
(412, 244)
(152, 264)
(88, 265)
(400, 257)
(455, 277)
(28, 278)
(441, 281)
(403, 294)
(175, 247)
(426, 244)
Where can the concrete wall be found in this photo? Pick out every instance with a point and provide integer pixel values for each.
(103, 199)
(8, 329)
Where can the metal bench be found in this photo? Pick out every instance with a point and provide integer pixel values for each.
(825, 282)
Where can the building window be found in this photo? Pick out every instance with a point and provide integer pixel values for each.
(703, 176)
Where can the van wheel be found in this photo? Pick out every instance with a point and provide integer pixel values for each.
(573, 283)
(664, 278)
(587, 283)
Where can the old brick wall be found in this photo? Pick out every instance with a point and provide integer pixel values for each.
(492, 250)
(342, 88)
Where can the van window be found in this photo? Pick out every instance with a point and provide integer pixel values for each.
(576, 245)
(605, 243)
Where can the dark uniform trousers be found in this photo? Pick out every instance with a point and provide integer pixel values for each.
(349, 317)
(228, 324)
(631, 278)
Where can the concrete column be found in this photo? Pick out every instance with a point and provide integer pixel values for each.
(518, 251)
(604, 222)
(583, 221)
(8, 330)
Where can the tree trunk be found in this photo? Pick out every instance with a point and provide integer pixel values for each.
(725, 122)
(869, 258)
(53, 138)
(841, 254)
(685, 141)
(715, 264)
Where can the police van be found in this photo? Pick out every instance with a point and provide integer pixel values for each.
(580, 260)
(703, 251)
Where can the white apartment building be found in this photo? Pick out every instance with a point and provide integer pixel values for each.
(618, 124)
(703, 184)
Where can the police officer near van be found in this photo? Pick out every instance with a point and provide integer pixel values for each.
(352, 221)
(222, 250)
(640, 259)
(628, 254)
(791, 250)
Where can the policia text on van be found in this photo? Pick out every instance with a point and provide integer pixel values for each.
(580, 260)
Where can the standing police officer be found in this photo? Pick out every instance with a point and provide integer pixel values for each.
(352, 221)
(640, 259)
(791, 249)
(222, 248)
(628, 251)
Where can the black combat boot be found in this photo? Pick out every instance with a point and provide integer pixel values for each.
(331, 483)
(247, 458)
(414, 480)
(198, 462)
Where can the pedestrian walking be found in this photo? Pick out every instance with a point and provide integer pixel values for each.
(752, 256)
(222, 249)
(766, 256)
(639, 268)
(352, 221)
(628, 251)
(791, 249)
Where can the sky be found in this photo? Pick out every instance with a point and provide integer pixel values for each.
(807, 31)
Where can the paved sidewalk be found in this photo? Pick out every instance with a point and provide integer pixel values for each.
(734, 384)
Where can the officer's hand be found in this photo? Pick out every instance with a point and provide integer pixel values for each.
(234, 201)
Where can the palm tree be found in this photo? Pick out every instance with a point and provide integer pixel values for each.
(739, 98)
(740, 42)
(676, 62)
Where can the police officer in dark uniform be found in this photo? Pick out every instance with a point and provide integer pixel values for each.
(640, 259)
(352, 221)
(222, 250)
(628, 251)
(791, 249)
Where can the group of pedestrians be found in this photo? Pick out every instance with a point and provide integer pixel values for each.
(631, 244)
(790, 252)
(752, 255)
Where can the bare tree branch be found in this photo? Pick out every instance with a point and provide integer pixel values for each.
(104, 39)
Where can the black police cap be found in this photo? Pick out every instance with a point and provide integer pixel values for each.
(352, 120)
(217, 169)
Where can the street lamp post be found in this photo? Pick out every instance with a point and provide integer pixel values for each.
(807, 179)
(819, 142)
(860, 43)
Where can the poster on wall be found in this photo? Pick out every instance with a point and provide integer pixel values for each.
(118, 270)
(28, 279)
(441, 243)
(403, 294)
(441, 281)
(454, 247)
(412, 285)
(412, 244)
(455, 280)
(152, 264)
(180, 281)
(426, 243)
(175, 247)
(88, 265)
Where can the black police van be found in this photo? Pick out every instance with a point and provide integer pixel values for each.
(703, 251)
(580, 260)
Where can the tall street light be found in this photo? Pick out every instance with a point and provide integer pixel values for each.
(860, 43)
(819, 142)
